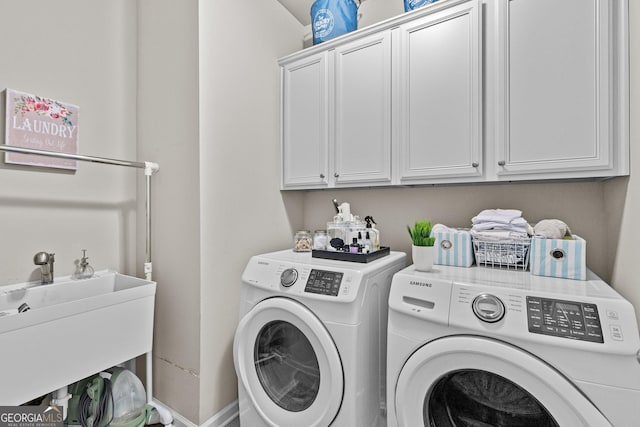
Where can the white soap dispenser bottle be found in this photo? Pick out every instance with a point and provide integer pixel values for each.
(374, 234)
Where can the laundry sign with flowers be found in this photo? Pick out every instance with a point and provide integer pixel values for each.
(43, 124)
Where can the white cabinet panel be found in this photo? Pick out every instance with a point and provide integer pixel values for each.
(557, 100)
(305, 130)
(439, 95)
(363, 111)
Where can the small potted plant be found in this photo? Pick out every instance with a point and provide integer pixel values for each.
(422, 249)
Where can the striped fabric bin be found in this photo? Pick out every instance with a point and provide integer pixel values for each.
(453, 248)
(559, 258)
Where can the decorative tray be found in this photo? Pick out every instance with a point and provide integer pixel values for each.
(347, 256)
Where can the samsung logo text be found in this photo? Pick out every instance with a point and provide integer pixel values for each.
(416, 283)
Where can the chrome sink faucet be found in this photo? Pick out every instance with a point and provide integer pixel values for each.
(45, 261)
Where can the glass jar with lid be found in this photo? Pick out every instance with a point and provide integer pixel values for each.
(302, 241)
(320, 240)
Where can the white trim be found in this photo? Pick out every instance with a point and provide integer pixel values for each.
(227, 416)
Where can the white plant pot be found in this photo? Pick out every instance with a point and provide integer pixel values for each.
(422, 257)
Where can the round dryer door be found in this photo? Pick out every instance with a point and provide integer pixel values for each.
(473, 381)
(288, 364)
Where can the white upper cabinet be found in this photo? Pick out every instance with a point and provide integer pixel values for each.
(305, 132)
(336, 115)
(462, 91)
(438, 95)
(561, 89)
(362, 111)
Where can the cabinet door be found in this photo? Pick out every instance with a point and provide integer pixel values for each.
(305, 123)
(555, 104)
(362, 111)
(439, 95)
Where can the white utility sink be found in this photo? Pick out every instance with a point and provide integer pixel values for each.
(74, 329)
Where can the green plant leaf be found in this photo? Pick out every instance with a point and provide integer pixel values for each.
(421, 233)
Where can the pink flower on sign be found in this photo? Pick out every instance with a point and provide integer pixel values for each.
(43, 107)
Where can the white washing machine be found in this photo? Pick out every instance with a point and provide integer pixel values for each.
(489, 347)
(311, 343)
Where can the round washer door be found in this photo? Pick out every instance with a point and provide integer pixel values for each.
(288, 364)
(467, 380)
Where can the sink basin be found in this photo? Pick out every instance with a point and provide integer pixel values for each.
(74, 329)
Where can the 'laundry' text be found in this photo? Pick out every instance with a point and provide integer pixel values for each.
(47, 128)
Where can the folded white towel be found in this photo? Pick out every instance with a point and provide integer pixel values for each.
(517, 224)
(504, 216)
(507, 223)
(499, 235)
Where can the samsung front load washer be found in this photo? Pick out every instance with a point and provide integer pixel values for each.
(489, 347)
(310, 346)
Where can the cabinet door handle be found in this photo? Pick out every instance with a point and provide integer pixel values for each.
(336, 174)
(321, 176)
(502, 163)
(475, 164)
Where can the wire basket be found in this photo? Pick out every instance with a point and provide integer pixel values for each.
(509, 254)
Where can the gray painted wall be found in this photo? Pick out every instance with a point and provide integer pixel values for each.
(83, 53)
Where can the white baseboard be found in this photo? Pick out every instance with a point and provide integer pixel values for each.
(228, 416)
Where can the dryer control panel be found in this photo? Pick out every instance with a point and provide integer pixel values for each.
(566, 319)
(324, 282)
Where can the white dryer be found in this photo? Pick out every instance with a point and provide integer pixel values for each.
(489, 347)
(311, 343)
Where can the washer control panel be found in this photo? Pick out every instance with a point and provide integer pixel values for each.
(324, 282)
(566, 319)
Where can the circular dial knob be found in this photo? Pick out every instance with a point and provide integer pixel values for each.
(488, 308)
(288, 277)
